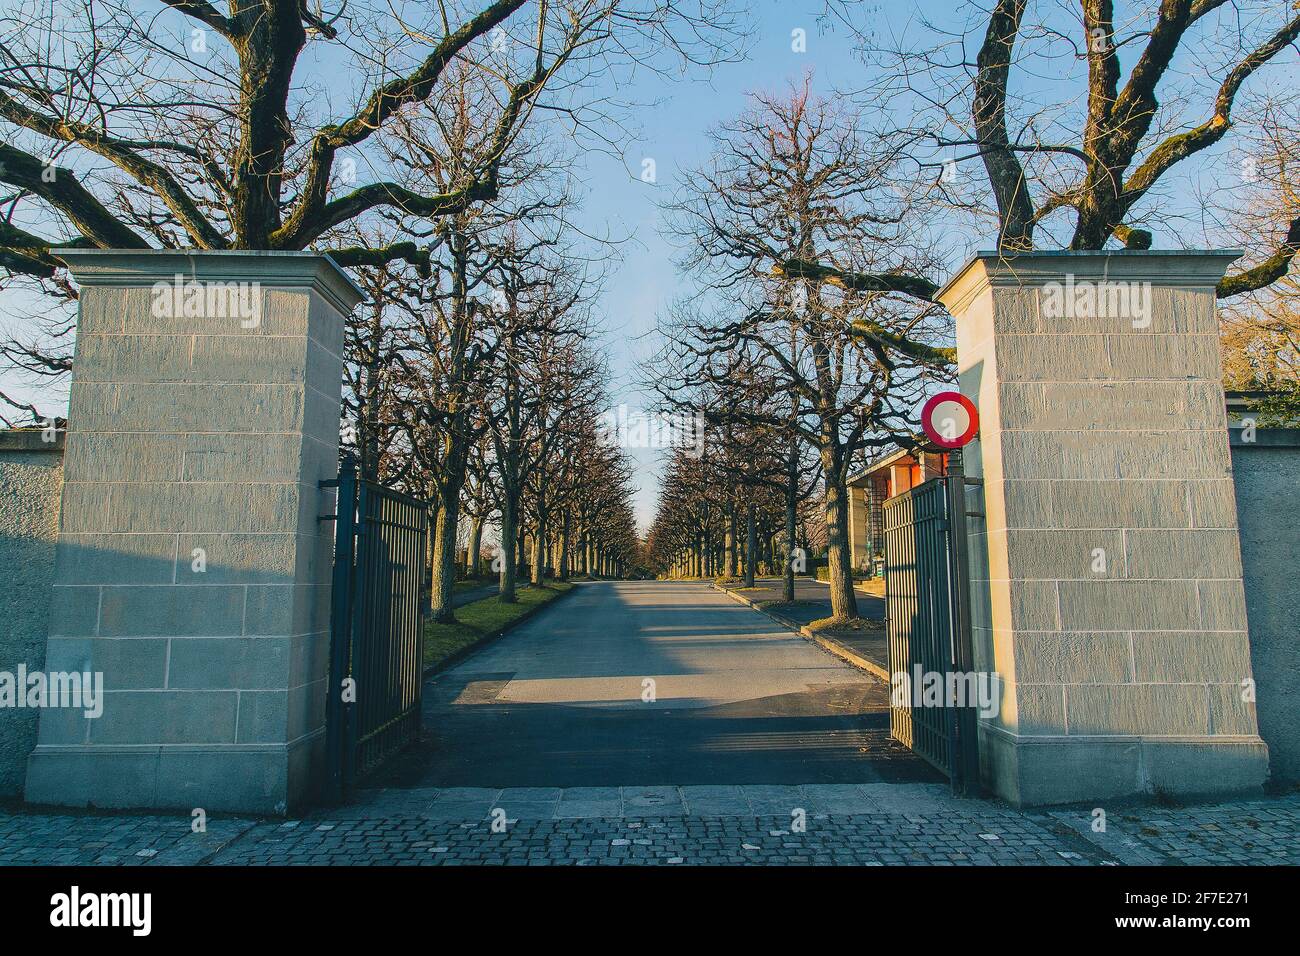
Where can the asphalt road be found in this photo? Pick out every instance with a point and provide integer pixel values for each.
(564, 701)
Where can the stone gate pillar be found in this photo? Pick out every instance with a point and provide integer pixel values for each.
(191, 570)
(1106, 577)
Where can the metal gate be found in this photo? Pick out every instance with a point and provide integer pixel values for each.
(376, 626)
(927, 616)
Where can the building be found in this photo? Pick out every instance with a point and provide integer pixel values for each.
(889, 475)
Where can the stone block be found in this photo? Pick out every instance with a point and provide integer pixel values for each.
(263, 716)
(1223, 605)
(133, 358)
(1190, 656)
(187, 407)
(86, 778)
(1073, 657)
(243, 458)
(171, 611)
(1231, 714)
(1034, 709)
(1106, 406)
(166, 717)
(1030, 606)
(1145, 709)
(1208, 553)
(259, 663)
(281, 609)
(123, 456)
(1117, 503)
(74, 611)
(1113, 455)
(1128, 605)
(270, 558)
(116, 559)
(1064, 555)
(251, 358)
(130, 663)
(1211, 503)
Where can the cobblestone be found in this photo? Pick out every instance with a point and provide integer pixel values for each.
(390, 828)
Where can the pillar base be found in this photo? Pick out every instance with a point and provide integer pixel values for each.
(1035, 771)
(272, 780)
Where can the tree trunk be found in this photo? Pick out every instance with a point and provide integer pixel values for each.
(751, 546)
(507, 553)
(538, 571)
(730, 519)
(475, 563)
(844, 604)
(444, 555)
(791, 516)
(565, 530)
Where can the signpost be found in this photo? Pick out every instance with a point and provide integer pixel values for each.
(950, 420)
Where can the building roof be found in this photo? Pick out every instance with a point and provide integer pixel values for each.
(879, 464)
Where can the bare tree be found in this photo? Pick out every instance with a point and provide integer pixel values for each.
(797, 177)
(1093, 163)
(201, 128)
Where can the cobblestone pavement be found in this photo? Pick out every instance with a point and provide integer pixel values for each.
(875, 824)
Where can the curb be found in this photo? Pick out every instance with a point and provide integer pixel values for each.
(452, 659)
(825, 643)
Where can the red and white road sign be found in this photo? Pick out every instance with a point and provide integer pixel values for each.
(950, 419)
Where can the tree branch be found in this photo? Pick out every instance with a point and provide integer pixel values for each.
(1006, 175)
(1267, 272)
(416, 86)
(915, 286)
(62, 191)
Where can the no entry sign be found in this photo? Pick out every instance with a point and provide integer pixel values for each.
(950, 419)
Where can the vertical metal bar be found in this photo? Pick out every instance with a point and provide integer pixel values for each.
(966, 761)
(340, 628)
(354, 723)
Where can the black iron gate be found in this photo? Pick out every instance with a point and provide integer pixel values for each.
(927, 614)
(376, 626)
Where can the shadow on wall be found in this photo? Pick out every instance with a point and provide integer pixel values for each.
(200, 645)
(31, 474)
(1266, 480)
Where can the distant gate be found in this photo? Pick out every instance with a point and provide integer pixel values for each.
(927, 612)
(376, 626)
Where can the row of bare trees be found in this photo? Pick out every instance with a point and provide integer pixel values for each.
(471, 381)
(797, 380)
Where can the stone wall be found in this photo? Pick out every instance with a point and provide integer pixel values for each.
(192, 571)
(30, 476)
(1267, 481)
